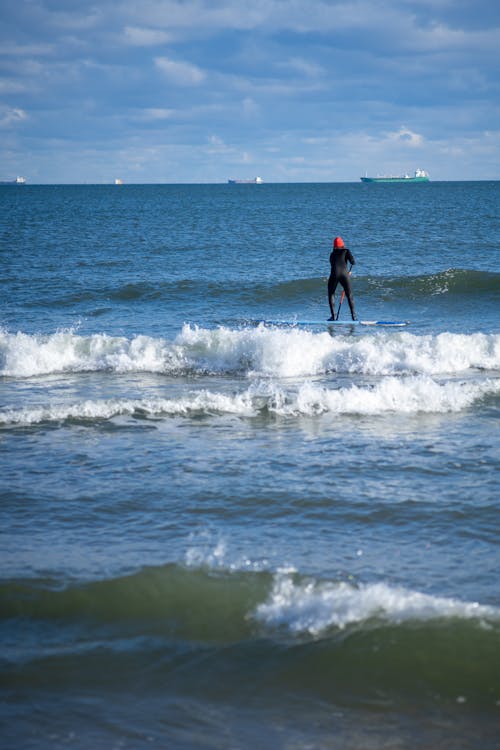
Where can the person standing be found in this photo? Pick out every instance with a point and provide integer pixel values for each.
(339, 274)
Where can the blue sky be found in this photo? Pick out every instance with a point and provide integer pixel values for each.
(291, 90)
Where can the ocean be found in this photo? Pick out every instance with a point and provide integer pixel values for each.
(221, 527)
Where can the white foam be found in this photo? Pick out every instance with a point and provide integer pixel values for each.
(293, 353)
(313, 607)
(409, 395)
(22, 355)
(391, 395)
(262, 351)
(203, 402)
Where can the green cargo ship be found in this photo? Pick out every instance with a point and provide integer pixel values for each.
(419, 176)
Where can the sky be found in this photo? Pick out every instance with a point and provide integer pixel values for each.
(199, 91)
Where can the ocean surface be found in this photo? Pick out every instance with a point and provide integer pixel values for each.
(221, 528)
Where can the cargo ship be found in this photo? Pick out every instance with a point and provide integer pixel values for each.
(17, 181)
(420, 175)
(255, 181)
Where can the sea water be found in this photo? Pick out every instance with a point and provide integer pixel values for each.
(218, 532)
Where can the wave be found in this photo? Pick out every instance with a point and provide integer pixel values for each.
(411, 395)
(453, 282)
(246, 291)
(313, 607)
(22, 355)
(263, 351)
(335, 638)
(128, 292)
(205, 599)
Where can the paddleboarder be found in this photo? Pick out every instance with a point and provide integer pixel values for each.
(339, 274)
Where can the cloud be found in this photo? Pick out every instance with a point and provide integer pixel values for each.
(407, 137)
(158, 113)
(11, 116)
(180, 73)
(12, 87)
(306, 67)
(217, 145)
(25, 50)
(84, 20)
(250, 107)
(140, 37)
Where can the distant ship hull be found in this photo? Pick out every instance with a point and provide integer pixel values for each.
(255, 181)
(17, 181)
(419, 176)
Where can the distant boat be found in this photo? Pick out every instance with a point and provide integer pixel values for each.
(255, 181)
(420, 176)
(17, 181)
(118, 181)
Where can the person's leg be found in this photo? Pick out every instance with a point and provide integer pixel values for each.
(346, 283)
(332, 285)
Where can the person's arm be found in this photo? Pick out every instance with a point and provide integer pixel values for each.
(350, 257)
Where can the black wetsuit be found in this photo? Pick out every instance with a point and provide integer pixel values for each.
(339, 274)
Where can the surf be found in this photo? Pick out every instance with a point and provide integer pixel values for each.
(181, 633)
(249, 351)
(201, 598)
(264, 399)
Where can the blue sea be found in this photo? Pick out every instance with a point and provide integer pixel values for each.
(226, 524)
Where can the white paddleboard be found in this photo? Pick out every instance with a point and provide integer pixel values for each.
(393, 323)
(367, 322)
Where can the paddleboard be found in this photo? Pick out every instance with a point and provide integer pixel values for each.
(393, 323)
(367, 322)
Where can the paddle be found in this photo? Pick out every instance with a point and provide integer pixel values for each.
(340, 303)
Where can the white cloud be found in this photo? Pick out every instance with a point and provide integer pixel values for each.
(217, 145)
(140, 37)
(295, 15)
(306, 67)
(12, 116)
(194, 15)
(180, 73)
(406, 136)
(250, 107)
(73, 21)
(158, 113)
(12, 87)
(26, 50)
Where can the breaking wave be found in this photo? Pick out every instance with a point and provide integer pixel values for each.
(410, 395)
(340, 640)
(263, 351)
(205, 596)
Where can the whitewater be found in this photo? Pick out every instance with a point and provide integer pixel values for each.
(412, 373)
(262, 351)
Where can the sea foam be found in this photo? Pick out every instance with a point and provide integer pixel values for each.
(259, 351)
(313, 607)
(408, 395)
(22, 355)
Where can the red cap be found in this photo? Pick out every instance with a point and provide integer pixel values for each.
(338, 242)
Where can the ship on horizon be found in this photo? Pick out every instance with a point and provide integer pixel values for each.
(255, 181)
(420, 175)
(17, 181)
